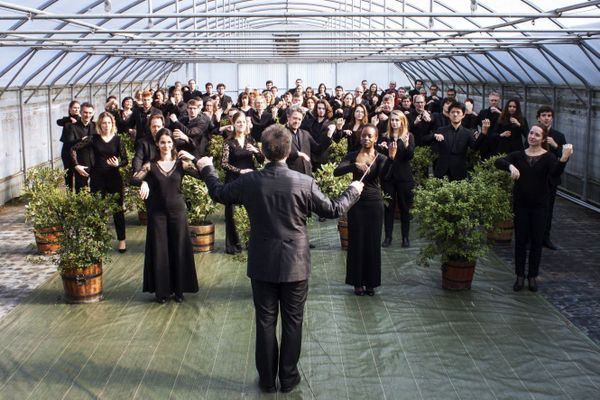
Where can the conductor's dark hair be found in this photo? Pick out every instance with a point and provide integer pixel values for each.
(458, 105)
(276, 143)
(544, 109)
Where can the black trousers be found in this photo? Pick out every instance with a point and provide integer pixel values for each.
(551, 198)
(530, 224)
(401, 194)
(74, 180)
(232, 240)
(111, 182)
(269, 299)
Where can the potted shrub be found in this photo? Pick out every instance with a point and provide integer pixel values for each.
(200, 206)
(42, 189)
(84, 243)
(333, 187)
(455, 217)
(492, 176)
(420, 163)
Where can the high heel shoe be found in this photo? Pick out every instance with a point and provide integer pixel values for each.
(518, 283)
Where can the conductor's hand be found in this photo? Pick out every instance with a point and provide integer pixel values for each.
(204, 162)
(81, 170)
(514, 172)
(358, 186)
(144, 190)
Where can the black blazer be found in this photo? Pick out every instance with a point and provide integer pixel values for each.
(72, 134)
(560, 139)
(452, 151)
(278, 201)
(400, 170)
(302, 141)
(145, 151)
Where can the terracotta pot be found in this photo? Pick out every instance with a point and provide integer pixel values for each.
(457, 274)
(203, 237)
(83, 285)
(46, 240)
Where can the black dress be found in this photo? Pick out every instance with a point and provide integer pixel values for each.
(365, 220)
(169, 266)
(514, 142)
(234, 159)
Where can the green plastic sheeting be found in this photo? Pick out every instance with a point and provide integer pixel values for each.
(411, 341)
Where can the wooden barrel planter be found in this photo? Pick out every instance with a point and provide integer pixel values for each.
(203, 237)
(143, 217)
(457, 274)
(46, 240)
(503, 232)
(343, 229)
(83, 285)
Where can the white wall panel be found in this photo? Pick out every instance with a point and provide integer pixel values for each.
(312, 75)
(10, 153)
(255, 76)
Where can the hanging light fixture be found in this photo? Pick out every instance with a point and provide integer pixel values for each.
(107, 5)
(473, 6)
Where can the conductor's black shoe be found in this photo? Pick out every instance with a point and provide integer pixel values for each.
(548, 244)
(386, 242)
(161, 300)
(311, 246)
(289, 387)
(267, 389)
(178, 298)
(405, 242)
(532, 284)
(518, 283)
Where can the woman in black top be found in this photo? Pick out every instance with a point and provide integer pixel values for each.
(531, 169)
(239, 153)
(169, 266)
(243, 103)
(109, 155)
(65, 153)
(322, 92)
(124, 117)
(260, 118)
(365, 218)
(471, 120)
(399, 144)
(352, 129)
(511, 129)
(372, 95)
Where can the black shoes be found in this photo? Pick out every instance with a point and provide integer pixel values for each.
(122, 250)
(386, 242)
(405, 242)
(267, 389)
(518, 283)
(161, 300)
(311, 246)
(532, 284)
(369, 291)
(547, 243)
(291, 386)
(178, 298)
(359, 291)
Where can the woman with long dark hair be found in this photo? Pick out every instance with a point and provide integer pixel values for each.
(365, 218)
(109, 155)
(511, 128)
(239, 152)
(124, 117)
(169, 267)
(531, 169)
(322, 92)
(351, 130)
(399, 144)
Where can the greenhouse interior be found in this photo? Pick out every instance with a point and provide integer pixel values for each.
(335, 199)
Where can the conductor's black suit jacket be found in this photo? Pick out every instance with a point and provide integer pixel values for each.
(278, 201)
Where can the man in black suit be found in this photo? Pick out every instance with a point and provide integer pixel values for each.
(555, 141)
(451, 144)
(141, 114)
(191, 132)
(145, 149)
(303, 144)
(72, 134)
(492, 114)
(225, 101)
(190, 91)
(278, 201)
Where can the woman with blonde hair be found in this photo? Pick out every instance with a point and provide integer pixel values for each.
(399, 145)
(109, 155)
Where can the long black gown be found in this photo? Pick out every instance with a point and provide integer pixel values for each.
(365, 222)
(169, 266)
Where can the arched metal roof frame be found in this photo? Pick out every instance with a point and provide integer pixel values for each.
(334, 23)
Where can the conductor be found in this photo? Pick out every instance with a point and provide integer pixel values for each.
(278, 201)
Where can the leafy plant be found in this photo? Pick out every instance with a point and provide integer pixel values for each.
(420, 163)
(332, 186)
(86, 236)
(337, 151)
(42, 189)
(199, 203)
(491, 176)
(455, 217)
(215, 150)
(131, 196)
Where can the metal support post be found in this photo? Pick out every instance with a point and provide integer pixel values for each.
(22, 133)
(50, 126)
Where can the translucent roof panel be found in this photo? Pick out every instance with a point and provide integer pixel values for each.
(456, 39)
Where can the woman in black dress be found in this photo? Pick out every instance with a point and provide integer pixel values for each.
(531, 169)
(511, 129)
(109, 155)
(239, 152)
(365, 218)
(65, 153)
(124, 117)
(399, 144)
(322, 92)
(169, 267)
(352, 129)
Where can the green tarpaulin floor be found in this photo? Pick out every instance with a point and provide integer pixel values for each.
(411, 341)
